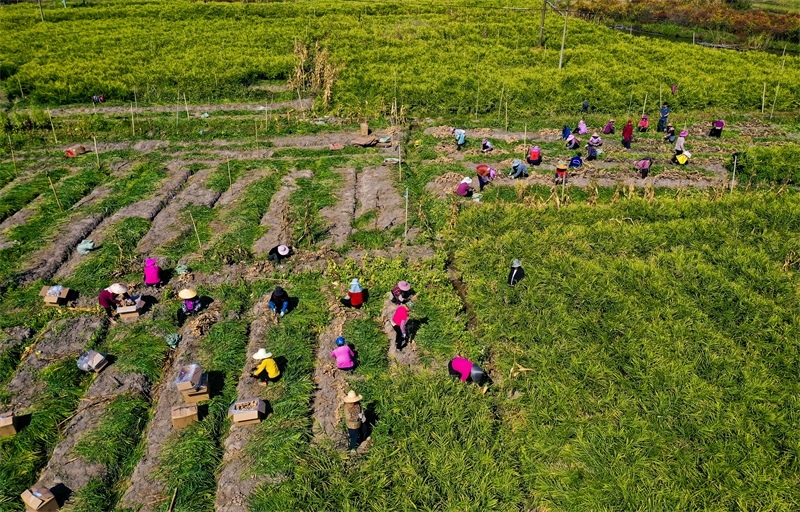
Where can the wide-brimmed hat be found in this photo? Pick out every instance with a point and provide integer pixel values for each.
(481, 167)
(516, 263)
(453, 130)
(403, 285)
(279, 292)
(118, 288)
(283, 250)
(352, 398)
(467, 180)
(611, 120)
(516, 162)
(561, 167)
(536, 148)
(476, 374)
(149, 262)
(670, 124)
(595, 134)
(262, 354)
(187, 293)
(355, 286)
(484, 141)
(684, 134)
(644, 117)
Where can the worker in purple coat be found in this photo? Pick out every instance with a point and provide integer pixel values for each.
(465, 187)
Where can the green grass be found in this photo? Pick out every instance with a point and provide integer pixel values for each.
(140, 183)
(26, 191)
(140, 347)
(370, 344)
(186, 242)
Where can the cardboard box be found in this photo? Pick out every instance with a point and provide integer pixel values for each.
(54, 300)
(247, 411)
(39, 498)
(183, 416)
(97, 361)
(200, 394)
(128, 313)
(8, 424)
(189, 377)
(364, 129)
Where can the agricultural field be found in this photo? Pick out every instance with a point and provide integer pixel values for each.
(647, 361)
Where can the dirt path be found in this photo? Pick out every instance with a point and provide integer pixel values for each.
(166, 225)
(233, 486)
(375, 191)
(64, 466)
(146, 209)
(145, 493)
(276, 219)
(61, 339)
(406, 357)
(339, 217)
(196, 110)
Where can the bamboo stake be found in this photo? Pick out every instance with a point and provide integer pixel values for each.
(500, 106)
(13, 158)
(177, 110)
(733, 180)
(135, 100)
(525, 137)
(41, 12)
(133, 127)
(506, 115)
(194, 225)
(96, 154)
(405, 233)
(186, 104)
(54, 192)
(563, 37)
(777, 88)
(400, 160)
(256, 124)
(172, 503)
(659, 94)
(230, 181)
(477, 97)
(266, 117)
(52, 126)
(645, 103)
(763, 97)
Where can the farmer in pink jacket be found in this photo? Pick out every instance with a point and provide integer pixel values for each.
(399, 321)
(465, 369)
(152, 272)
(344, 355)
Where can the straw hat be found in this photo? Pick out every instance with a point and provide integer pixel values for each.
(283, 250)
(561, 167)
(467, 180)
(516, 263)
(670, 124)
(149, 262)
(403, 285)
(684, 134)
(352, 398)
(187, 293)
(118, 288)
(262, 354)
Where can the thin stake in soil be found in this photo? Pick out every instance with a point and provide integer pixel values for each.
(405, 232)
(778, 88)
(256, 124)
(230, 181)
(135, 100)
(194, 225)
(563, 38)
(764, 97)
(172, 502)
(186, 104)
(13, 158)
(506, 115)
(645, 103)
(525, 137)
(133, 127)
(659, 95)
(52, 126)
(96, 154)
(400, 160)
(733, 180)
(55, 194)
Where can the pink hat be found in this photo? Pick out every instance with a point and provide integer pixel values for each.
(485, 141)
(149, 262)
(684, 134)
(452, 130)
(404, 286)
(283, 250)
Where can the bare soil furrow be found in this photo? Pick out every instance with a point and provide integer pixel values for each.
(408, 355)
(376, 191)
(277, 218)
(340, 216)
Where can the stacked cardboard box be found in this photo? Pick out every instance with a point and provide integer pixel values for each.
(39, 499)
(184, 415)
(54, 300)
(129, 313)
(248, 411)
(192, 383)
(8, 424)
(92, 361)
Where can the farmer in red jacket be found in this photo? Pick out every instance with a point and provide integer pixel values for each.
(108, 299)
(627, 134)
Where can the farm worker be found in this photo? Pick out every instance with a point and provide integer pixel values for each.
(627, 134)
(566, 132)
(576, 161)
(344, 355)
(591, 153)
(355, 295)
(279, 299)
(354, 418)
(267, 368)
(643, 124)
(518, 169)
(534, 156)
(465, 187)
(585, 107)
(662, 121)
(582, 129)
(152, 272)
(486, 146)
(278, 253)
(190, 304)
(573, 142)
(679, 144)
(108, 299)
(461, 137)
(399, 321)
(401, 292)
(670, 135)
(561, 173)
(643, 167)
(608, 129)
(465, 369)
(595, 141)
(674, 89)
(484, 175)
(716, 128)
(516, 274)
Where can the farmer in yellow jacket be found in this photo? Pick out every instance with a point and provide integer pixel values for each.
(267, 368)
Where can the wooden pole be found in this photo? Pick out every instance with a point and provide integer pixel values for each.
(54, 192)
(256, 124)
(541, 27)
(692, 37)
(500, 106)
(230, 181)
(13, 158)
(172, 503)
(266, 117)
(96, 154)
(133, 127)
(405, 233)
(763, 97)
(477, 97)
(41, 12)
(733, 180)
(400, 160)
(135, 100)
(177, 110)
(525, 137)
(506, 115)
(194, 225)
(777, 88)
(659, 95)
(563, 38)
(645, 103)
(186, 104)
(52, 126)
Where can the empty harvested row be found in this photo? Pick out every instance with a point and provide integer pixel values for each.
(277, 218)
(339, 217)
(376, 191)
